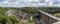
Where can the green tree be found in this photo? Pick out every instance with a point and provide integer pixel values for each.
(9, 20)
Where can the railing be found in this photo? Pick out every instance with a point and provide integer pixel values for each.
(48, 18)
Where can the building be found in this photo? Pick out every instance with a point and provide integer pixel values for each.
(21, 15)
(10, 13)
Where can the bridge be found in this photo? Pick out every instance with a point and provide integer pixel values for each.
(47, 18)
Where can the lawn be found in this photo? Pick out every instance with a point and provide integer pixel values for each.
(57, 14)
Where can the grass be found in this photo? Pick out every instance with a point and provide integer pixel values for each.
(29, 22)
(57, 14)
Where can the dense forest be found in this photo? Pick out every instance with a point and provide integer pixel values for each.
(31, 11)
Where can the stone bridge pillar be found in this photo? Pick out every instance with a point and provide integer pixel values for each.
(47, 18)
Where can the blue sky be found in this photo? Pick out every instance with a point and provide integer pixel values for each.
(17, 3)
(1, 0)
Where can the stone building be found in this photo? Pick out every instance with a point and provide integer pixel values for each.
(21, 15)
(10, 13)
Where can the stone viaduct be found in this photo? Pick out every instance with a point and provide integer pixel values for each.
(47, 18)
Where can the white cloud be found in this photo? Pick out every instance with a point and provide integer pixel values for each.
(46, 0)
(17, 3)
(5, 2)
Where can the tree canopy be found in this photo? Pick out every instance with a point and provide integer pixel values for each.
(9, 20)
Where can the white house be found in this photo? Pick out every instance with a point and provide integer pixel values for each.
(10, 13)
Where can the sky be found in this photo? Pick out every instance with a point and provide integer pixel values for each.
(16, 3)
(1, 0)
(21, 3)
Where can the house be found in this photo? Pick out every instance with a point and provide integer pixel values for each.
(10, 13)
(21, 15)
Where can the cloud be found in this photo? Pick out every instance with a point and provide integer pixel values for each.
(16, 3)
(8, 3)
(19, 3)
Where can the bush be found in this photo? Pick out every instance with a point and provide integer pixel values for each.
(9, 20)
